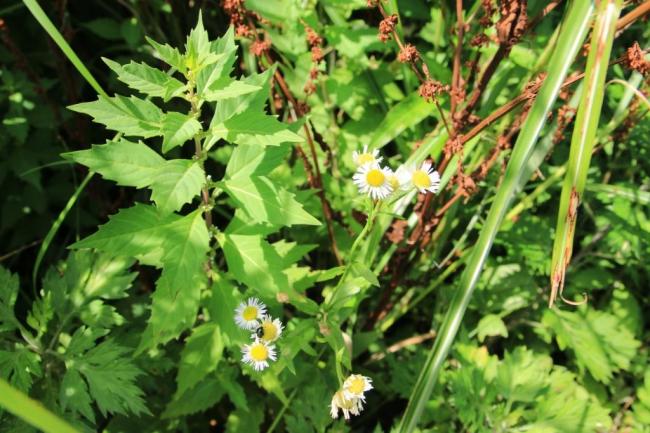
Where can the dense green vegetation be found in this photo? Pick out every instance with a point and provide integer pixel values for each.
(333, 215)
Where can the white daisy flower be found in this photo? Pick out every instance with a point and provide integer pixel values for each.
(365, 157)
(424, 178)
(248, 312)
(269, 329)
(257, 354)
(373, 179)
(355, 386)
(347, 406)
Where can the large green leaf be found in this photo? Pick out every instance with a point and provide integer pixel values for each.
(125, 162)
(138, 231)
(254, 262)
(176, 129)
(252, 127)
(254, 159)
(130, 116)
(177, 244)
(250, 101)
(173, 183)
(146, 79)
(176, 183)
(169, 55)
(176, 299)
(202, 352)
(111, 378)
(264, 201)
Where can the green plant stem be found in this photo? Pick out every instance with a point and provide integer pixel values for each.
(57, 224)
(285, 406)
(374, 210)
(31, 411)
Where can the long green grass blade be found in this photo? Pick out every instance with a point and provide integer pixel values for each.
(51, 30)
(55, 227)
(31, 411)
(574, 30)
(582, 142)
(47, 25)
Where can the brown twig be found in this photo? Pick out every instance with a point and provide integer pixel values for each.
(528, 95)
(20, 250)
(632, 16)
(410, 341)
(455, 77)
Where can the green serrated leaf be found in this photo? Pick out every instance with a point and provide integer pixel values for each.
(178, 245)
(203, 396)
(252, 127)
(265, 202)
(74, 396)
(111, 378)
(146, 79)
(176, 129)
(85, 276)
(138, 231)
(125, 162)
(169, 55)
(176, 299)
(200, 356)
(568, 407)
(228, 88)
(19, 367)
(254, 262)
(97, 314)
(225, 52)
(601, 343)
(198, 47)
(221, 300)
(255, 159)
(255, 101)
(131, 116)
(641, 407)
(177, 182)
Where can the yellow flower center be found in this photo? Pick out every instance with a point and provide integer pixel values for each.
(375, 177)
(357, 385)
(259, 352)
(342, 402)
(250, 313)
(270, 331)
(421, 179)
(394, 182)
(365, 158)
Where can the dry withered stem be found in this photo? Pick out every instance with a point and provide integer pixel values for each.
(456, 93)
(407, 54)
(399, 258)
(635, 14)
